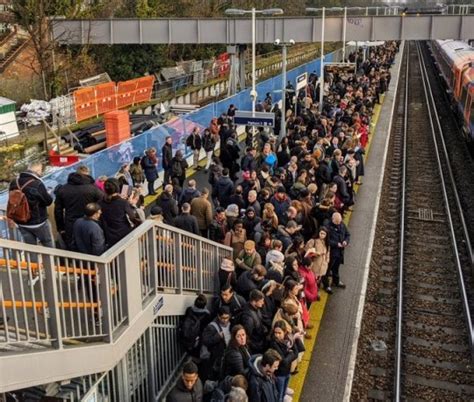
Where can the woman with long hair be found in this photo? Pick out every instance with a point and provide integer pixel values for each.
(237, 354)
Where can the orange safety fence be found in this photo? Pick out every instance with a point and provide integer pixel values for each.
(34, 267)
(106, 99)
(126, 93)
(99, 99)
(40, 305)
(144, 87)
(85, 103)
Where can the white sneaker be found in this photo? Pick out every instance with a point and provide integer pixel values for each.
(290, 391)
(287, 398)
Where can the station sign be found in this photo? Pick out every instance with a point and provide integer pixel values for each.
(259, 119)
(301, 81)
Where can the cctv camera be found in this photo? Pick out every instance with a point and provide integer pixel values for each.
(292, 41)
(277, 42)
(253, 94)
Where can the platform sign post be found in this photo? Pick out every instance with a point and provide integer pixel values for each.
(255, 119)
(301, 82)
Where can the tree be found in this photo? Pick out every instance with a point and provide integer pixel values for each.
(34, 17)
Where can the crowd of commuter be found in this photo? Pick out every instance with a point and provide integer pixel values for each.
(279, 206)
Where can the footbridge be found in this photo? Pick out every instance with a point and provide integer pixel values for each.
(239, 30)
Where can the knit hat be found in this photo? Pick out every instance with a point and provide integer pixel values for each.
(275, 256)
(232, 211)
(227, 265)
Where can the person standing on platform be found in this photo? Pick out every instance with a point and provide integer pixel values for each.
(167, 156)
(178, 167)
(339, 238)
(186, 221)
(201, 208)
(195, 143)
(71, 200)
(208, 143)
(262, 381)
(149, 164)
(189, 386)
(88, 235)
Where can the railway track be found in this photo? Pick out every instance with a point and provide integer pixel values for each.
(415, 340)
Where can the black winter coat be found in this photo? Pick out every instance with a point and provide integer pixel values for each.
(235, 305)
(251, 319)
(169, 206)
(288, 355)
(188, 223)
(167, 155)
(223, 190)
(37, 196)
(236, 360)
(338, 234)
(72, 198)
(118, 218)
(181, 394)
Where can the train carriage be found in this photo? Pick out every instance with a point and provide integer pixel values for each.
(455, 60)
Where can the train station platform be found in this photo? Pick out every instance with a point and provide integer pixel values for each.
(327, 371)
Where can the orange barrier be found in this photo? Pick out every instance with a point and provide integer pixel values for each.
(40, 305)
(85, 103)
(34, 267)
(99, 99)
(126, 93)
(105, 95)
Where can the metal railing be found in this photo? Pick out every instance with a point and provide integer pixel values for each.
(51, 298)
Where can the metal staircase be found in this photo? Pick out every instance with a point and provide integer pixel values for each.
(67, 315)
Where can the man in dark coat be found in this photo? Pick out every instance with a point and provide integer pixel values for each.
(71, 200)
(194, 142)
(339, 238)
(215, 337)
(88, 235)
(189, 193)
(37, 228)
(168, 205)
(186, 221)
(189, 386)
(167, 155)
(251, 319)
(223, 189)
(262, 382)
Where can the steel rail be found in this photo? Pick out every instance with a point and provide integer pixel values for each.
(398, 339)
(434, 116)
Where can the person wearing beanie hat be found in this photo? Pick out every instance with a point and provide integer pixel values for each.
(225, 275)
(248, 258)
(156, 214)
(232, 212)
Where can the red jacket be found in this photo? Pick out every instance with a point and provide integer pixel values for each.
(310, 284)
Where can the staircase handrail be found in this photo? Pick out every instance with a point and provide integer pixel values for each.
(81, 297)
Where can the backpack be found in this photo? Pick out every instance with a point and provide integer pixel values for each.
(18, 208)
(177, 168)
(189, 329)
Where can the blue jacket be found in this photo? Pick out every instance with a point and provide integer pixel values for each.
(88, 237)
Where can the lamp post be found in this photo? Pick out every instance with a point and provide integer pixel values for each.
(283, 46)
(321, 74)
(254, 12)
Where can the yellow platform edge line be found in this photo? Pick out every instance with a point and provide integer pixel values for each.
(317, 308)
